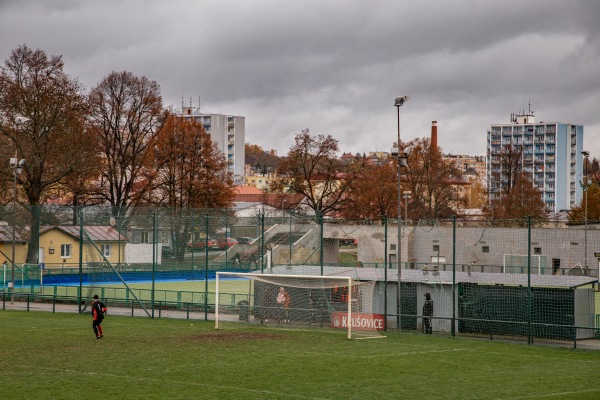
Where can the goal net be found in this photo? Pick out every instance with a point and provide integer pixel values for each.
(337, 304)
(517, 264)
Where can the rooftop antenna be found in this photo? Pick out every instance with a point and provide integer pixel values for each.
(182, 104)
(530, 110)
(199, 104)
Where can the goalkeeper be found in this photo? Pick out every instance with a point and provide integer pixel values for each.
(98, 311)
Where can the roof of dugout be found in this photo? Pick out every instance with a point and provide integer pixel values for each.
(438, 277)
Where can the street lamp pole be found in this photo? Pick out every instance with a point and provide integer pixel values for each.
(399, 102)
(585, 185)
(17, 166)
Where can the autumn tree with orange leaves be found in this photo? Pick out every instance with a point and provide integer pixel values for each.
(51, 137)
(517, 197)
(431, 181)
(191, 173)
(191, 170)
(312, 169)
(374, 192)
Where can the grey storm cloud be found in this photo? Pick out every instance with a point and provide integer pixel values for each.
(336, 66)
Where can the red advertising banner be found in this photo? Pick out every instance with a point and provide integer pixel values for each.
(359, 321)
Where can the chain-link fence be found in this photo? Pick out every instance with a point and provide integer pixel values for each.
(521, 280)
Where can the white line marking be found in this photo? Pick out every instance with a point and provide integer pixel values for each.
(54, 371)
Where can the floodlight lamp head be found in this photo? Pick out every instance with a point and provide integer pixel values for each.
(585, 153)
(404, 160)
(21, 162)
(13, 162)
(395, 151)
(401, 100)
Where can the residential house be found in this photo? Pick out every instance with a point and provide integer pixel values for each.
(6, 241)
(59, 245)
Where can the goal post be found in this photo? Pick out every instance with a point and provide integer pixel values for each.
(332, 303)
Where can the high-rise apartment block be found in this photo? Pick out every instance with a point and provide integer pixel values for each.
(550, 152)
(228, 132)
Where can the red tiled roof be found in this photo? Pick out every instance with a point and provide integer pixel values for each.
(96, 233)
(246, 190)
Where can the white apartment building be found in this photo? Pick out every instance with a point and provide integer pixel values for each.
(228, 132)
(551, 154)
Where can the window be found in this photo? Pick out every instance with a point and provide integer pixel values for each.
(65, 250)
(105, 249)
(438, 260)
(436, 247)
(144, 237)
(485, 249)
(537, 250)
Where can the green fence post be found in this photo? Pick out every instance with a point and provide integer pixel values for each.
(529, 295)
(261, 218)
(205, 272)
(385, 271)
(154, 256)
(192, 240)
(80, 258)
(320, 222)
(227, 236)
(453, 328)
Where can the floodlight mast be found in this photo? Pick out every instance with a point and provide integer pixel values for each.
(585, 185)
(402, 158)
(17, 167)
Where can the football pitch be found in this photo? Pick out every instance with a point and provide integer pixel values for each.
(55, 356)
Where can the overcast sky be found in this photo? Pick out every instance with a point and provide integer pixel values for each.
(336, 66)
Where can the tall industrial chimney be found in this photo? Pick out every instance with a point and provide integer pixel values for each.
(434, 142)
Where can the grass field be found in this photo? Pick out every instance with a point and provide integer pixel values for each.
(55, 356)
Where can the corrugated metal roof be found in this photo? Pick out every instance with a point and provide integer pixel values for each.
(6, 235)
(441, 277)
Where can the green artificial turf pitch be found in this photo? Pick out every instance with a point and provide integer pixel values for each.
(56, 356)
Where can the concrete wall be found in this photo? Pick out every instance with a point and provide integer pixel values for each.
(477, 248)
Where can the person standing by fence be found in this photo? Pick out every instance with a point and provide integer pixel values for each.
(283, 301)
(427, 313)
(286, 306)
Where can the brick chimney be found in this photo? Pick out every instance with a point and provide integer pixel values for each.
(434, 142)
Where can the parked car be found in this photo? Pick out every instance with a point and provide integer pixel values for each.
(244, 240)
(203, 244)
(222, 244)
(167, 252)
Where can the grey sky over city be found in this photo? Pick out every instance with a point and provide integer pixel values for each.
(335, 66)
